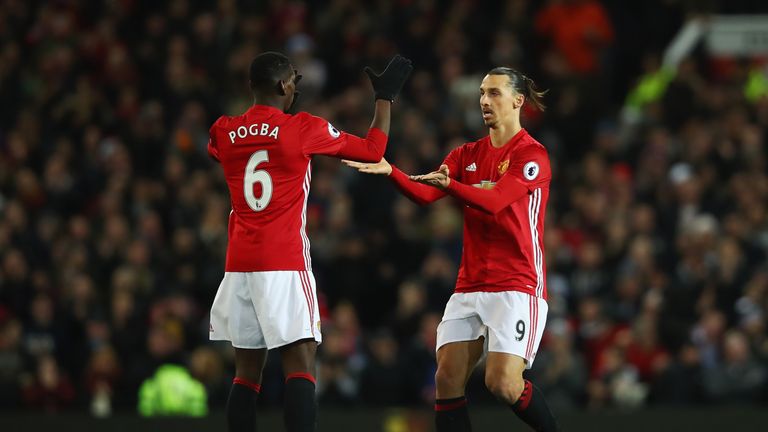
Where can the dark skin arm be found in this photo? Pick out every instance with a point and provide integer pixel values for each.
(381, 115)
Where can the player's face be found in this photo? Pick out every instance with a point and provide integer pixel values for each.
(498, 100)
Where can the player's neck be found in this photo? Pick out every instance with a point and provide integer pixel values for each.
(504, 132)
(271, 102)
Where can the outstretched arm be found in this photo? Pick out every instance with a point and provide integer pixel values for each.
(491, 201)
(505, 192)
(419, 193)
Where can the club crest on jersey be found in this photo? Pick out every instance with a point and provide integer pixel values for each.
(531, 170)
(503, 167)
(332, 131)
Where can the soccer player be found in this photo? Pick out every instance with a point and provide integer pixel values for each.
(499, 303)
(267, 299)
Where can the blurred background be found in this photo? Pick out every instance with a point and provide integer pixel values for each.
(113, 220)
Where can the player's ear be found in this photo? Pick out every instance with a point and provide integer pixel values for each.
(281, 88)
(519, 100)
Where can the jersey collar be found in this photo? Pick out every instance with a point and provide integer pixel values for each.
(512, 143)
(263, 109)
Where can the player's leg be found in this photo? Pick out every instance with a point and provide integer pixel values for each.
(246, 387)
(299, 368)
(515, 325)
(234, 319)
(455, 363)
(459, 347)
(290, 318)
(504, 378)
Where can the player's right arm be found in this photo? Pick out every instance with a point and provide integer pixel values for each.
(213, 147)
(417, 192)
(530, 169)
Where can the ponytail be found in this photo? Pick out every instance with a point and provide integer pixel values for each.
(523, 85)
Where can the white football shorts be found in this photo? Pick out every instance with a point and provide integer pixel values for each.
(511, 322)
(265, 309)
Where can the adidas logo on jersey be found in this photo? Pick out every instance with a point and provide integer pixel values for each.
(471, 167)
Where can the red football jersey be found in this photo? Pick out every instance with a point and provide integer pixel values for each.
(505, 251)
(504, 223)
(266, 156)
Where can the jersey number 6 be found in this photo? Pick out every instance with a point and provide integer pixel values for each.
(252, 175)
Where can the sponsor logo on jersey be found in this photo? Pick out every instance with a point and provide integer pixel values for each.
(503, 167)
(471, 167)
(485, 184)
(531, 170)
(332, 131)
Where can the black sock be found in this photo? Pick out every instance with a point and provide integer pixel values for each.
(451, 415)
(300, 407)
(241, 405)
(532, 408)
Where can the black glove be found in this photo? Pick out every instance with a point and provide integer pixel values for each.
(388, 84)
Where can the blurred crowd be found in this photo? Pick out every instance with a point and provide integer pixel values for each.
(113, 220)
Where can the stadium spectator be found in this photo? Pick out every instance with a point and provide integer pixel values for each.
(50, 391)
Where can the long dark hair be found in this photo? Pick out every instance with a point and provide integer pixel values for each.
(523, 85)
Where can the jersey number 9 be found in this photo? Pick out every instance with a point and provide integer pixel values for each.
(252, 176)
(520, 327)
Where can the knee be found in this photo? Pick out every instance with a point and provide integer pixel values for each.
(299, 357)
(248, 370)
(249, 364)
(504, 386)
(448, 380)
(249, 374)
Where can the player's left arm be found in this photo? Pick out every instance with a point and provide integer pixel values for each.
(372, 147)
(386, 86)
(527, 172)
(320, 137)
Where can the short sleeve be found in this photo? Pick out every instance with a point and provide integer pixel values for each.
(319, 136)
(531, 166)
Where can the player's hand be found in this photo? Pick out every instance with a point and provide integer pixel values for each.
(388, 84)
(439, 179)
(381, 167)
